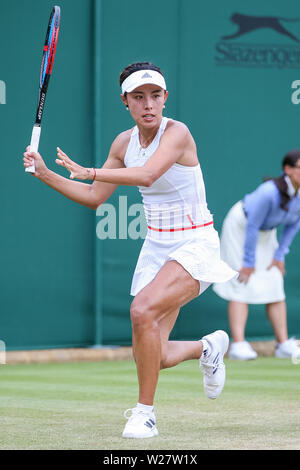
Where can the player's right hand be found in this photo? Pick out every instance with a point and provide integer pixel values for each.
(35, 158)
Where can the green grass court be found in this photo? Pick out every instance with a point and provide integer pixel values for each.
(80, 406)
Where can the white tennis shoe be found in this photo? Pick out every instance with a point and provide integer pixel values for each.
(288, 349)
(242, 351)
(140, 424)
(211, 363)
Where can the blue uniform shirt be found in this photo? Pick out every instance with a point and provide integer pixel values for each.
(263, 211)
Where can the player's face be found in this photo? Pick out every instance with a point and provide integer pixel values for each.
(146, 104)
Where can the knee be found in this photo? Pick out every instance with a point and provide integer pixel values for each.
(142, 313)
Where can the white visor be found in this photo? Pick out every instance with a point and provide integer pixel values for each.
(143, 77)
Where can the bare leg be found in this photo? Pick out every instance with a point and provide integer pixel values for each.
(238, 315)
(153, 314)
(174, 352)
(179, 351)
(276, 312)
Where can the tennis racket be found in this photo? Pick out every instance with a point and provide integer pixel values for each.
(46, 70)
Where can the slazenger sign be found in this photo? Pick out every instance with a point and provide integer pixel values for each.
(232, 53)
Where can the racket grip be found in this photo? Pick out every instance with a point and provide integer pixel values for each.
(34, 145)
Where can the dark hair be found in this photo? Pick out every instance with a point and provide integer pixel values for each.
(291, 158)
(137, 66)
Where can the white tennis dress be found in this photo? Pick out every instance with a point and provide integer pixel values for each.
(180, 226)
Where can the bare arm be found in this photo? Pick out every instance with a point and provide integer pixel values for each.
(89, 195)
(176, 145)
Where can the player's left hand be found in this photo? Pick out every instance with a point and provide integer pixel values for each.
(279, 264)
(76, 171)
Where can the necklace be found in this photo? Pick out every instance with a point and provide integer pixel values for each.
(142, 151)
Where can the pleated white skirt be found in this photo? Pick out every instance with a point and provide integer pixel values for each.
(198, 251)
(264, 285)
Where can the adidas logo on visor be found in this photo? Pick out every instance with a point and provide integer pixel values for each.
(147, 75)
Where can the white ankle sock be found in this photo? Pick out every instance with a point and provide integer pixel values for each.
(146, 408)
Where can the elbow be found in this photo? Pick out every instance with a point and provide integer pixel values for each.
(90, 205)
(95, 200)
(149, 179)
(94, 207)
(95, 204)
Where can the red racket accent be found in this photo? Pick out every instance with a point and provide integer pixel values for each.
(53, 50)
(51, 55)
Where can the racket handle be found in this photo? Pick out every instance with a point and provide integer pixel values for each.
(34, 145)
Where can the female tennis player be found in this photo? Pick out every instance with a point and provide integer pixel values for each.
(180, 257)
(249, 244)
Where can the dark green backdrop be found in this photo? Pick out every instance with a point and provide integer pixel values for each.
(60, 285)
